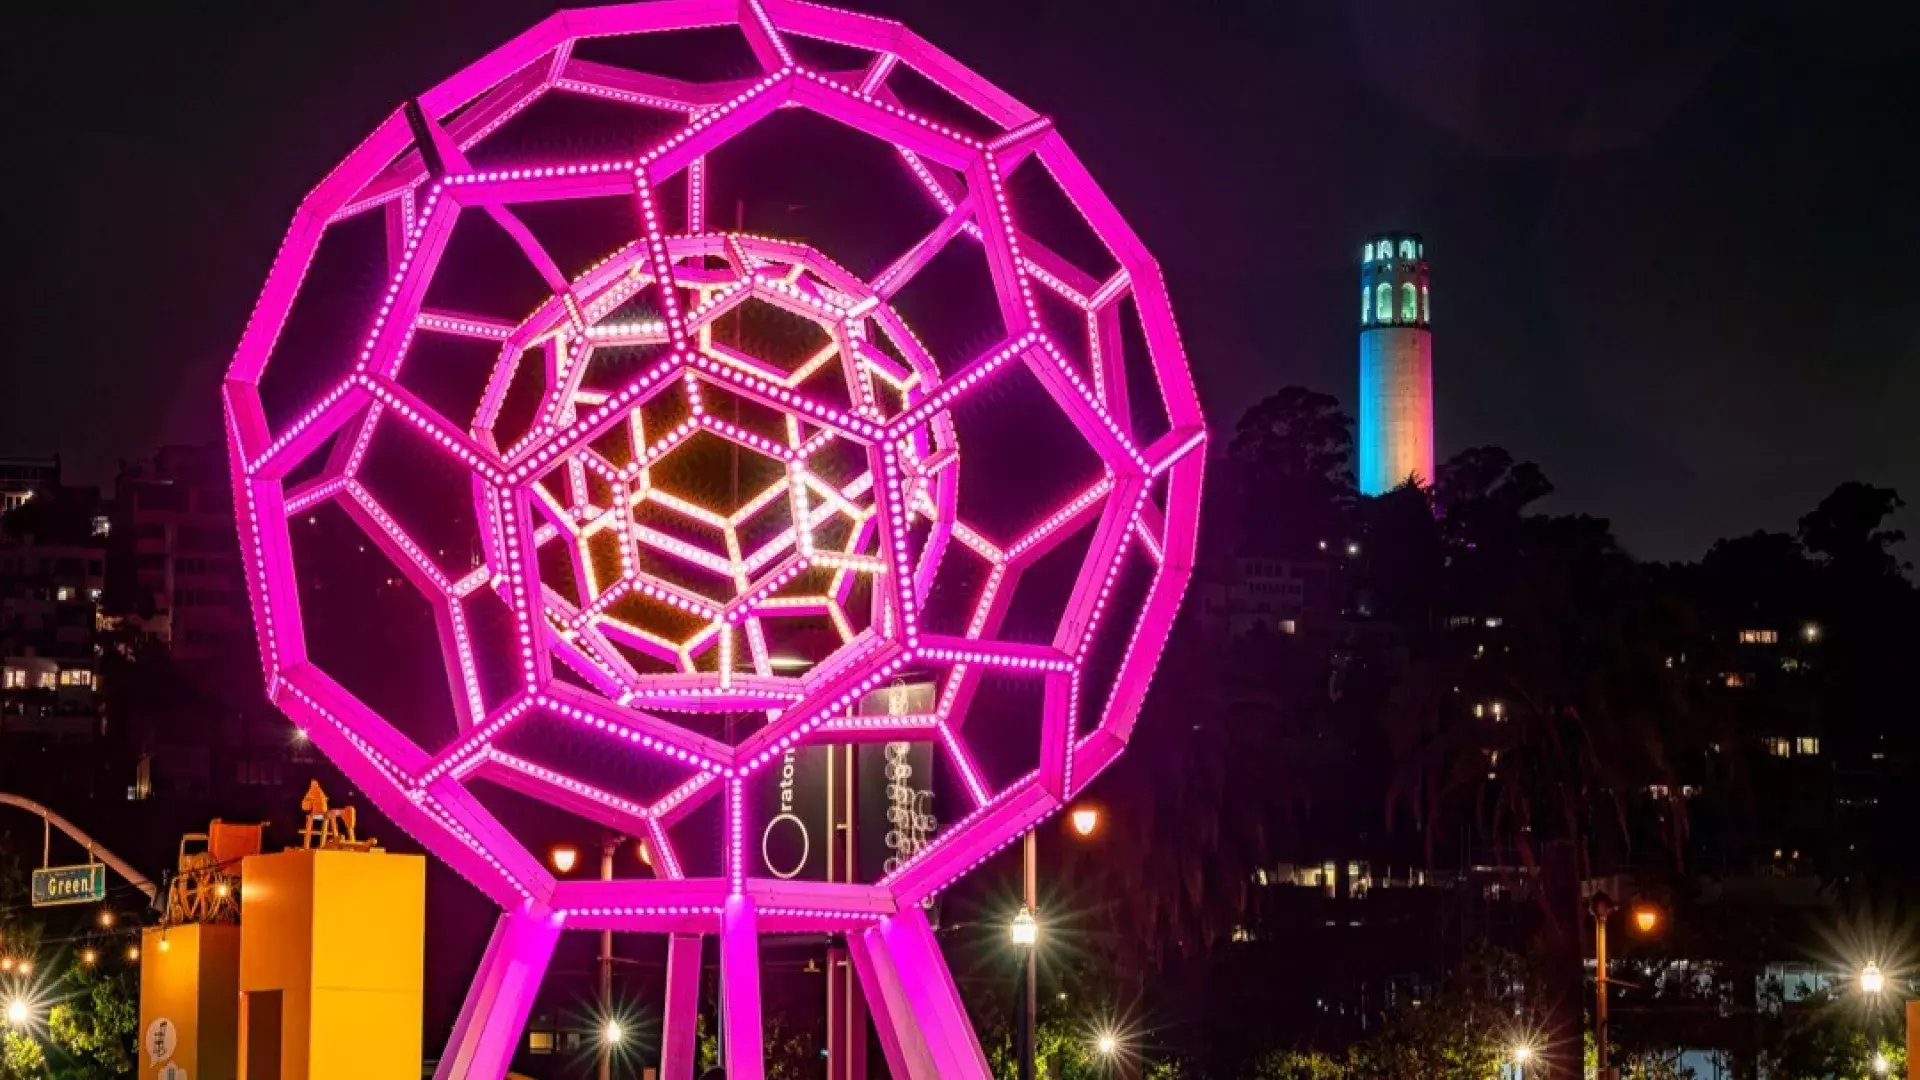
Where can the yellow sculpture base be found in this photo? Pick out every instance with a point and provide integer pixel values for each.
(331, 954)
(189, 1003)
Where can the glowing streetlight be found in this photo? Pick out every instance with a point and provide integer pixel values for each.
(1881, 1065)
(564, 857)
(133, 954)
(1025, 929)
(26, 967)
(1522, 1054)
(613, 1033)
(106, 918)
(89, 957)
(1646, 918)
(17, 1012)
(1085, 819)
(1872, 979)
(1107, 1045)
(222, 890)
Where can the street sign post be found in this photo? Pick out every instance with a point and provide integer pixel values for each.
(55, 885)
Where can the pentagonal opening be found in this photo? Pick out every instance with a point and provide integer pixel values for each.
(1147, 406)
(427, 493)
(839, 190)
(716, 473)
(603, 759)
(1043, 587)
(450, 372)
(776, 337)
(1001, 729)
(494, 641)
(319, 345)
(959, 590)
(952, 306)
(1045, 213)
(483, 271)
(369, 629)
(579, 234)
(1107, 648)
(699, 835)
(931, 101)
(1022, 459)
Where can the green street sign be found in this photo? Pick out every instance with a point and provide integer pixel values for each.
(70, 885)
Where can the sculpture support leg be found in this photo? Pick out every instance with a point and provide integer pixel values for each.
(682, 1015)
(932, 997)
(502, 994)
(900, 1041)
(923, 1026)
(740, 991)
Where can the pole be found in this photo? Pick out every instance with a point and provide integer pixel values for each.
(1601, 909)
(1030, 988)
(607, 848)
(120, 866)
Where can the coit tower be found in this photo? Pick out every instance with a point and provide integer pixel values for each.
(1396, 364)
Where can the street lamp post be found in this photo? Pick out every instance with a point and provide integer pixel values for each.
(1602, 906)
(1026, 934)
(1030, 988)
(613, 1033)
(1085, 820)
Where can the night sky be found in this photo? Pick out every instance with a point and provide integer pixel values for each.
(1674, 246)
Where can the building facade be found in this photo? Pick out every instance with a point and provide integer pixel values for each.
(179, 552)
(1396, 364)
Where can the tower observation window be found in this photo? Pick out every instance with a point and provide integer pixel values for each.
(1426, 306)
(1406, 249)
(1365, 307)
(1409, 303)
(1383, 302)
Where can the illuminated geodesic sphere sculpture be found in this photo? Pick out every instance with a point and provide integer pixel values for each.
(668, 502)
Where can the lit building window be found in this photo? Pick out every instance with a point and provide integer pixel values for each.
(64, 594)
(1383, 302)
(1366, 309)
(13, 679)
(1289, 626)
(1759, 637)
(1494, 621)
(1734, 680)
(540, 1042)
(1409, 303)
(1806, 745)
(76, 677)
(102, 525)
(1366, 254)
(1777, 746)
(1406, 249)
(45, 680)
(1426, 306)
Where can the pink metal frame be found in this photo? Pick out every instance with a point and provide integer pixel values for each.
(556, 491)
